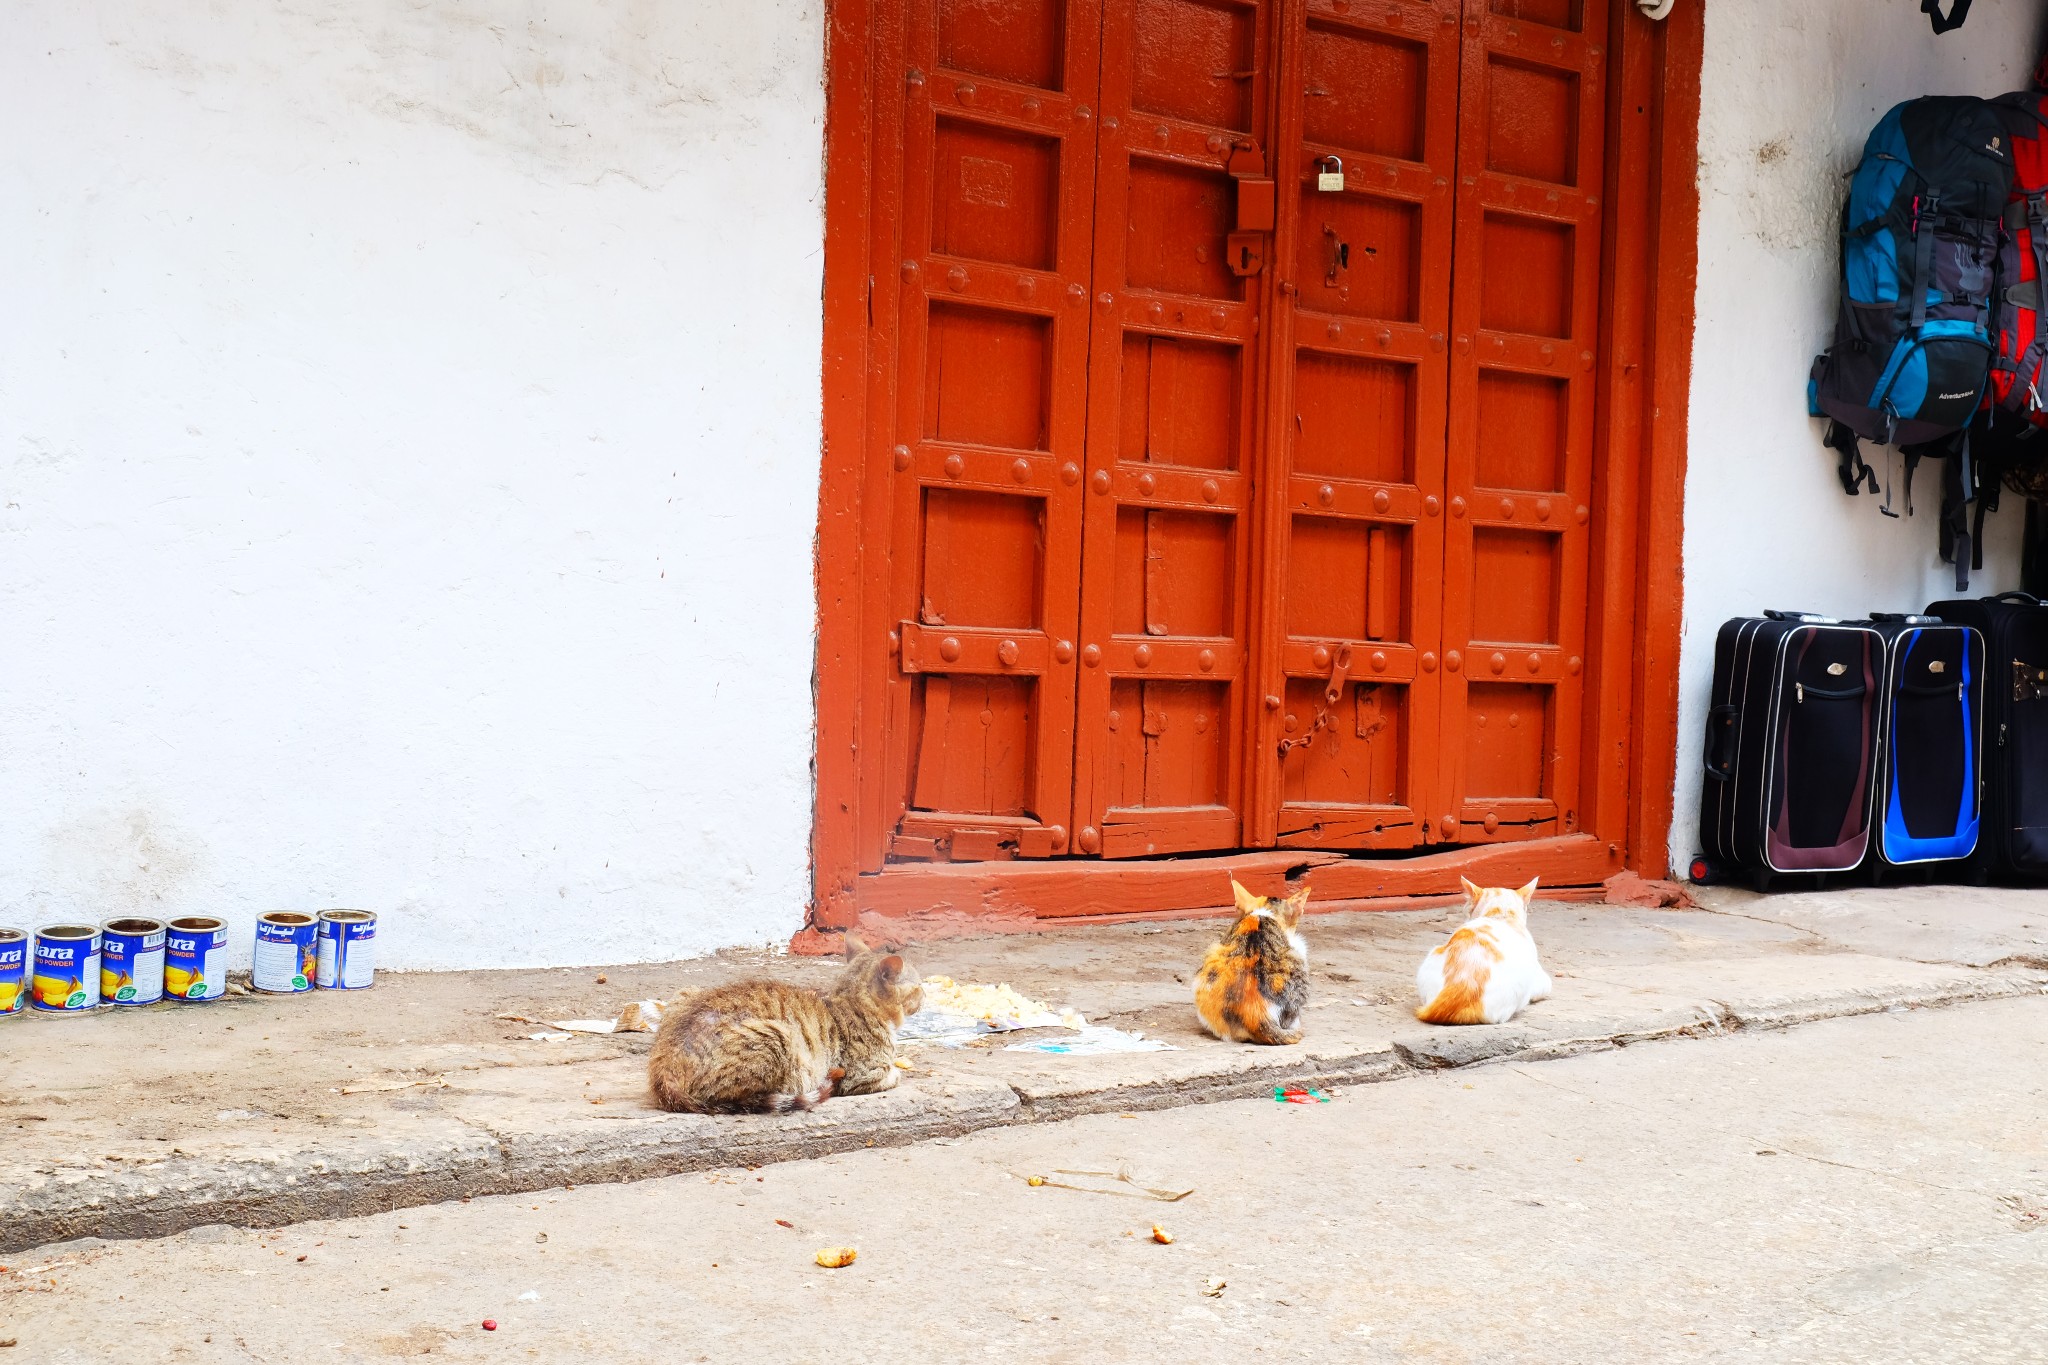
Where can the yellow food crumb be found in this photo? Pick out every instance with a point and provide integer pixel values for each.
(991, 1004)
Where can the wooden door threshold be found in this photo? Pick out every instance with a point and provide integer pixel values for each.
(927, 900)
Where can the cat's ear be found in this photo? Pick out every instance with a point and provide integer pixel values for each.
(889, 971)
(1528, 893)
(1246, 901)
(1291, 908)
(853, 944)
(1471, 891)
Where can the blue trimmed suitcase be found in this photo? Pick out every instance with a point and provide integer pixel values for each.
(1929, 790)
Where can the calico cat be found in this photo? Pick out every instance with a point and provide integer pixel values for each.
(769, 1047)
(1487, 971)
(1253, 985)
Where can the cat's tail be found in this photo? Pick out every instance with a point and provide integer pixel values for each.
(784, 1103)
(1450, 1007)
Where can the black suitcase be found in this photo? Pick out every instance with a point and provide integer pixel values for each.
(1929, 784)
(1790, 747)
(2015, 831)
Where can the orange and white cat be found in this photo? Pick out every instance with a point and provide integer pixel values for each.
(1487, 971)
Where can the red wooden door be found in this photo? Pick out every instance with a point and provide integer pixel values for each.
(1525, 289)
(1187, 553)
(1352, 674)
(1431, 450)
(1172, 380)
(987, 437)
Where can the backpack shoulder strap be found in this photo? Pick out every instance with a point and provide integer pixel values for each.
(1958, 11)
(1851, 468)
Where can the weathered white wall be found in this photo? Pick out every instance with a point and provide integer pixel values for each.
(1789, 92)
(409, 444)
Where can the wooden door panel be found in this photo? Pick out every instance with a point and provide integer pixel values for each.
(1160, 721)
(1345, 750)
(986, 441)
(1520, 439)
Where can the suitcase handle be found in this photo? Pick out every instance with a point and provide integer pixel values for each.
(1720, 754)
(1905, 618)
(2026, 597)
(1811, 618)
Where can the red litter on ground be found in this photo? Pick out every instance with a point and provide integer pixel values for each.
(490, 1324)
(1298, 1094)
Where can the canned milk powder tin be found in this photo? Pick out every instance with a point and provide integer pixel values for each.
(132, 961)
(196, 958)
(284, 953)
(67, 979)
(13, 972)
(348, 941)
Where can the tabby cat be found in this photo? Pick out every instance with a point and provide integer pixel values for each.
(764, 1046)
(1253, 985)
(1487, 971)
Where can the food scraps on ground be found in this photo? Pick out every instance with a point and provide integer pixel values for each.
(1034, 1181)
(1161, 1235)
(1214, 1289)
(833, 1258)
(997, 1005)
(490, 1324)
(639, 1016)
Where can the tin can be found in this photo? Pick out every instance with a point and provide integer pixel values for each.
(284, 953)
(67, 977)
(132, 961)
(196, 958)
(348, 941)
(13, 972)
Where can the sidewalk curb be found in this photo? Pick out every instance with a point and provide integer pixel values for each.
(463, 1160)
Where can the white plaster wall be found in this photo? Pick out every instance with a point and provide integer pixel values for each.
(409, 440)
(1789, 91)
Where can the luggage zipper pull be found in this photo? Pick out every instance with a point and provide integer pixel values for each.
(1800, 688)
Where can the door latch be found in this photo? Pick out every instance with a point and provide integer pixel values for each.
(1336, 255)
(1340, 673)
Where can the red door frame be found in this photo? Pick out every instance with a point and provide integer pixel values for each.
(1645, 364)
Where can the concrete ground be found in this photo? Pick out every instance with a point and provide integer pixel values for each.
(263, 1111)
(1863, 1189)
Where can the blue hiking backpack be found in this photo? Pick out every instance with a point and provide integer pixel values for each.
(1913, 344)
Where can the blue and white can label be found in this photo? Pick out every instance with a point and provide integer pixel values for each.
(196, 958)
(284, 953)
(67, 979)
(348, 943)
(13, 972)
(132, 961)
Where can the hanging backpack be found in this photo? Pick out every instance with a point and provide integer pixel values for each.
(1921, 244)
(2017, 380)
